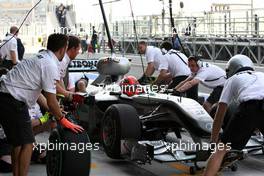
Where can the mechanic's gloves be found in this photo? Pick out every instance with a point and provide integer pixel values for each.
(67, 124)
(142, 80)
(43, 119)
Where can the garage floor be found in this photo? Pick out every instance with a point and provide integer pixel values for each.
(102, 166)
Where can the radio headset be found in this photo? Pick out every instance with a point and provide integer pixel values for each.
(198, 60)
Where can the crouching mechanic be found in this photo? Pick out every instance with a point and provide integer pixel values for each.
(211, 76)
(153, 56)
(247, 87)
(175, 64)
(20, 89)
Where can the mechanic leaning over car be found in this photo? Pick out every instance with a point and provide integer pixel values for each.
(20, 89)
(209, 75)
(74, 46)
(175, 63)
(247, 87)
(153, 56)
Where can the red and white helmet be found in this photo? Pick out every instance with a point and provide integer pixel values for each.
(130, 86)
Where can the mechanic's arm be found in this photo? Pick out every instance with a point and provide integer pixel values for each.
(183, 82)
(55, 110)
(53, 105)
(13, 57)
(61, 90)
(61, 82)
(163, 75)
(187, 85)
(218, 121)
(150, 69)
(42, 101)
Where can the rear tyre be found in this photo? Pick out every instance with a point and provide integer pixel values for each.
(68, 153)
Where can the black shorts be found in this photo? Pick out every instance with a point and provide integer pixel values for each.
(191, 93)
(248, 117)
(15, 121)
(5, 148)
(215, 95)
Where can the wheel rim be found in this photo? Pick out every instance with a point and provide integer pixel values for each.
(109, 131)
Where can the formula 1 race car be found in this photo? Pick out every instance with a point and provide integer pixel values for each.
(143, 125)
(138, 126)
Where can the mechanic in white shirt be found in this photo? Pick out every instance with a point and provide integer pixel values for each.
(74, 46)
(247, 88)
(153, 55)
(20, 88)
(209, 75)
(174, 65)
(8, 50)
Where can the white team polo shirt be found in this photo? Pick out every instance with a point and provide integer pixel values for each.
(153, 54)
(243, 86)
(25, 81)
(210, 75)
(11, 45)
(176, 63)
(64, 65)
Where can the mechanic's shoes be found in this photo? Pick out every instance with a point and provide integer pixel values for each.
(44, 118)
(231, 157)
(5, 167)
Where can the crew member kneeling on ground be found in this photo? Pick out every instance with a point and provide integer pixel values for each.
(247, 87)
(211, 76)
(175, 64)
(20, 89)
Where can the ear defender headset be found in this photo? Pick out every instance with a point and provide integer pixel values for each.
(164, 51)
(165, 47)
(197, 59)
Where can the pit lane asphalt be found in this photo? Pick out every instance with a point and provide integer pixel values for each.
(102, 165)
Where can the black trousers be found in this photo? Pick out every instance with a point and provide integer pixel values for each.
(247, 118)
(191, 93)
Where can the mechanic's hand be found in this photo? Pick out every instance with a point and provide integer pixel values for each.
(67, 124)
(142, 80)
(43, 119)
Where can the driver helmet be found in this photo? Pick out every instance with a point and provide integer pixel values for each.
(130, 86)
(238, 63)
